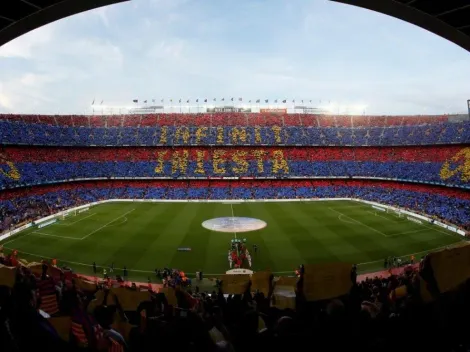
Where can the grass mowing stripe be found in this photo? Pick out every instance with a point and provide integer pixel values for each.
(102, 227)
(297, 232)
(416, 253)
(57, 236)
(358, 222)
(72, 223)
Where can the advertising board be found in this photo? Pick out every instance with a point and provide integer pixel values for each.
(278, 111)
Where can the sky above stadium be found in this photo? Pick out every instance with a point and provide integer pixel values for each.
(351, 59)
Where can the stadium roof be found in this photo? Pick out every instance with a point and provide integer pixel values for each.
(449, 19)
(18, 17)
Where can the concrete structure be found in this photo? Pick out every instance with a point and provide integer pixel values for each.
(449, 19)
(18, 17)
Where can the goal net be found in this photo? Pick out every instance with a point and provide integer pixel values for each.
(396, 213)
(68, 214)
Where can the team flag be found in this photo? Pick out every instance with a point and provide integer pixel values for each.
(205, 100)
(284, 101)
(257, 101)
(266, 101)
(240, 99)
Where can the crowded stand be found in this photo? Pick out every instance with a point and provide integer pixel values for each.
(231, 129)
(26, 204)
(23, 166)
(45, 305)
(53, 163)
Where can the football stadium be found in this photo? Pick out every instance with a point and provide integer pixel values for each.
(234, 223)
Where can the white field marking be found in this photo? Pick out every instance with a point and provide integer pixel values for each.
(102, 227)
(78, 263)
(275, 272)
(86, 217)
(383, 217)
(50, 235)
(438, 230)
(406, 232)
(409, 255)
(17, 237)
(106, 266)
(122, 222)
(341, 219)
(358, 222)
(233, 215)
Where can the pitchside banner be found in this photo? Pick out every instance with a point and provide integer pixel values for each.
(325, 281)
(278, 111)
(451, 267)
(228, 109)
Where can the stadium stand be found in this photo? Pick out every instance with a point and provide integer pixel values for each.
(51, 163)
(110, 315)
(25, 166)
(231, 129)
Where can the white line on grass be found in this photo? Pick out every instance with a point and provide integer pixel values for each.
(406, 232)
(383, 217)
(233, 215)
(358, 222)
(275, 272)
(340, 218)
(50, 235)
(409, 255)
(120, 223)
(437, 230)
(17, 237)
(131, 270)
(86, 217)
(102, 227)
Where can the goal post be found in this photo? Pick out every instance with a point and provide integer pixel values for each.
(397, 213)
(67, 214)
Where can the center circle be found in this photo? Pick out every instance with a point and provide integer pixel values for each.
(234, 224)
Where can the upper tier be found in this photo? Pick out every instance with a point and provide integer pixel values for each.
(231, 129)
(24, 166)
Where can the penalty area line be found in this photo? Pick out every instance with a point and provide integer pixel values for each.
(86, 217)
(109, 223)
(50, 235)
(358, 222)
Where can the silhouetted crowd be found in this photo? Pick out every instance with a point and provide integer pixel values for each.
(51, 311)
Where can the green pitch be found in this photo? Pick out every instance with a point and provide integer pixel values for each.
(145, 236)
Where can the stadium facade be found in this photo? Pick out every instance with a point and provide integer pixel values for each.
(416, 162)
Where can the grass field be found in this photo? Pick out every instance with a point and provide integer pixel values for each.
(145, 236)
